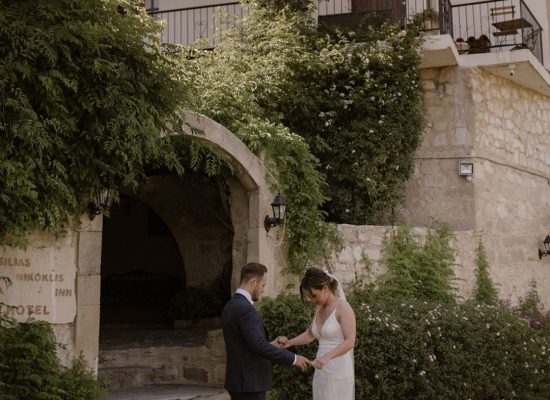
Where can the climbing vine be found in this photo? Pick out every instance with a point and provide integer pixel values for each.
(338, 118)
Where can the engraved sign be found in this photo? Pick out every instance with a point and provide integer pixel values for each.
(42, 284)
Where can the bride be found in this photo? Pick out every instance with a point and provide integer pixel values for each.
(334, 327)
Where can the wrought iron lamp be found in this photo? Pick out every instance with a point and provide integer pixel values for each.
(546, 251)
(102, 200)
(279, 211)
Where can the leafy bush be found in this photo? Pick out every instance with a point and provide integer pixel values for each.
(485, 291)
(202, 301)
(286, 315)
(30, 369)
(418, 271)
(427, 350)
(531, 308)
(319, 106)
(86, 90)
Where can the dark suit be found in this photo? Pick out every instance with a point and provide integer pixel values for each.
(249, 353)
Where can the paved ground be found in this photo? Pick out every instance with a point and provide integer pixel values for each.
(169, 393)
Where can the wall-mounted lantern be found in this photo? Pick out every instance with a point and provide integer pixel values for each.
(101, 201)
(279, 211)
(546, 251)
(466, 169)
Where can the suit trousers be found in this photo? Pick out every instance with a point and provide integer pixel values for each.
(247, 395)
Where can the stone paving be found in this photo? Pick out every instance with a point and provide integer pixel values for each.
(169, 392)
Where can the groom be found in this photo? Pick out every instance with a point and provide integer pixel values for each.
(249, 353)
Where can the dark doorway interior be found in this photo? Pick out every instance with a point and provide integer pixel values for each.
(167, 254)
(142, 269)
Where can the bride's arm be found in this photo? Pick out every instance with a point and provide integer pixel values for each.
(304, 338)
(347, 322)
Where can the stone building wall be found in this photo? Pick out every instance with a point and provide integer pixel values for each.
(511, 150)
(503, 129)
(359, 255)
(435, 192)
(57, 280)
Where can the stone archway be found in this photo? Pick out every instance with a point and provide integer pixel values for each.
(250, 241)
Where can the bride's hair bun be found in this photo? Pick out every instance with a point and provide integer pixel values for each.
(316, 278)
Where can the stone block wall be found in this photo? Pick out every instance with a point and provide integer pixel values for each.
(503, 129)
(435, 192)
(359, 255)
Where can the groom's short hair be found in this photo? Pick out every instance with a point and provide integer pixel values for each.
(252, 270)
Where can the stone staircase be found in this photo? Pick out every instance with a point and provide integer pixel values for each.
(130, 358)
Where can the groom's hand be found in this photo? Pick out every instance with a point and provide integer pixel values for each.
(302, 363)
(283, 341)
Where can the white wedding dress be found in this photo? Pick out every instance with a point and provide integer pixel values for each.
(336, 380)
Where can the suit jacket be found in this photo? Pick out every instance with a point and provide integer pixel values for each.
(249, 353)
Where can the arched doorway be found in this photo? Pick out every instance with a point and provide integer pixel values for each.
(207, 228)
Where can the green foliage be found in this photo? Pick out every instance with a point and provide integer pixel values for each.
(427, 350)
(202, 301)
(417, 271)
(485, 292)
(86, 88)
(359, 107)
(302, 96)
(531, 308)
(234, 83)
(30, 369)
(6, 282)
(286, 315)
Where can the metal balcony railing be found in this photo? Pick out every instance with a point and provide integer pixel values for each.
(187, 25)
(476, 27)
(489, 26)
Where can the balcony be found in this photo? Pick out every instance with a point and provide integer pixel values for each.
(492, 26)
(476, 27)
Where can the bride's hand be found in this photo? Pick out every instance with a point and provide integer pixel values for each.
(319, 362)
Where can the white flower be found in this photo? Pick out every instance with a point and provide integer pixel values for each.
(422, 373)
(321, 114)
(352, 151)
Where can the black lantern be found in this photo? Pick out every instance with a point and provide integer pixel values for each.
(546, 251)
(101, 201)
(279, 211)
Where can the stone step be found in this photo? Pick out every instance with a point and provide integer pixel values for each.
(169, 392)
(162, 358)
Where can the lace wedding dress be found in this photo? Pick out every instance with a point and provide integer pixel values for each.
(336, 380)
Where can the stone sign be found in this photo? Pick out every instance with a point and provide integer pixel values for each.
(42, 284)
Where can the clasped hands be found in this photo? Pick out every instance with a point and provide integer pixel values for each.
(301, 362)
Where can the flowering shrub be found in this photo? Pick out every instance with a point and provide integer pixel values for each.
(427, 350)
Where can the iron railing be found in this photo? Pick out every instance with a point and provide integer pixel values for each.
(188, 25)
(479, 26)
(490, 26)
(353, 12)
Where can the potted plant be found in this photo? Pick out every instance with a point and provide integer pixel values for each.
(428, 21)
